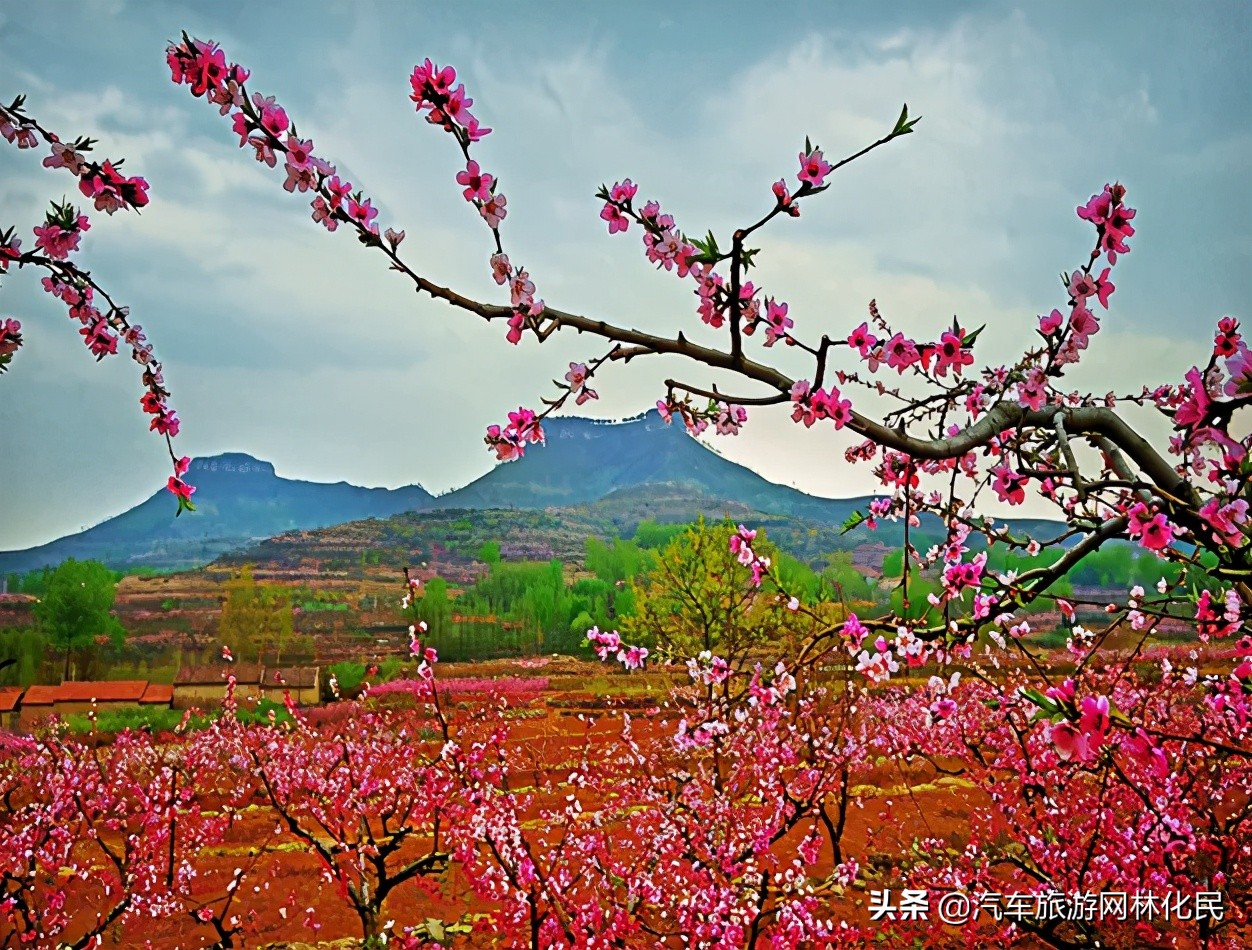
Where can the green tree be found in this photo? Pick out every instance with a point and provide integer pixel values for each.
(255, 618)
(435, 607)
(75, 610)
(699, 597)
(489, 553)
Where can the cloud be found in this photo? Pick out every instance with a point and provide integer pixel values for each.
(300, 347)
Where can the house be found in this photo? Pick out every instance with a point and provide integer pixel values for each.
(9, 696)
(195, 685)
(301, 681)
(158, 694)
(82, 697)
(36, 706)
(79, 698)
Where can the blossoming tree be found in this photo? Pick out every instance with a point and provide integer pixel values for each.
(1096, 766)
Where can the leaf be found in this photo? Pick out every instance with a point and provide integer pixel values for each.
(904, 125)
(969, 340)
(1049, 707)
(856, 519)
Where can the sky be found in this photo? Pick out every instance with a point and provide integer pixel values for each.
(298, 347)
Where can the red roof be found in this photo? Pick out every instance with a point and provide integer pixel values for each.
(40, 696)
(9, 695)
(158, 693)
(101, 691)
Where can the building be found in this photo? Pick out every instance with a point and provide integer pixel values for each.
(36, 706)
(301, 681)
(80, 698)
(196, 685)
(9, 696)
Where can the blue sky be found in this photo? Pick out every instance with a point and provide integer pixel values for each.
(298, 347)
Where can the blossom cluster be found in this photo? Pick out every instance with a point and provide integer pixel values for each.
(104, 324)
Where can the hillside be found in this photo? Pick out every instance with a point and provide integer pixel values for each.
(631, 466)
(452, 538)
(238, 499)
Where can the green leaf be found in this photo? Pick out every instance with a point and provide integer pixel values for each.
(904, 125)
(969, 340)
(856, 519)
(1048, 706)
(904, 115)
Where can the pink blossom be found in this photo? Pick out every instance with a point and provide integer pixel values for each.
(1196, 405)
(1070, 742)
(500, 268)
(813, 168)
(613, 215)
(493, 210)
(1051, 323)
(1153, 530)
(1008, 485)
(785, 201)
(950, 352)
(477, 183)
(900, 353)
(862, 340)
(337, 190)
(624, 191)
(1082, 325)
(363, 213)
(778, 321)
(730, 418)
(324, 214)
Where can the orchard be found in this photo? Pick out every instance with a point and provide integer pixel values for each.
(721, 816)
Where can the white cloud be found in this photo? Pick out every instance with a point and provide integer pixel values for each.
(299, 347)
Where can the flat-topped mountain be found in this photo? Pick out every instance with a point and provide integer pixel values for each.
(238, 499)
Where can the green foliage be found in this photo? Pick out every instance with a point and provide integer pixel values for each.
(25, 646)
(36, 583)
(259, 714)
(135, 718)
(256, 618)
(699, 597)
(618, 561)
(846, 584)
(489, 553)
(649, 534)
(348, 674)
(74, 612)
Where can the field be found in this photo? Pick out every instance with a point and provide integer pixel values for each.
(894, 806)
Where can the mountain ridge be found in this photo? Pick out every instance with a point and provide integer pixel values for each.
(241, 499)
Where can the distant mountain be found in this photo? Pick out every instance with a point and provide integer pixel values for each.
(239, 500)
(626, 465)
(584, 460)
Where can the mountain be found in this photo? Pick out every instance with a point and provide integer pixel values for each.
(584, 460)
(239, 499)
